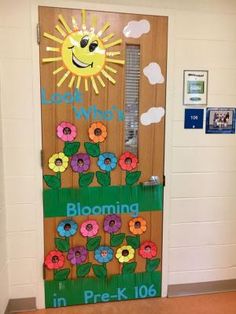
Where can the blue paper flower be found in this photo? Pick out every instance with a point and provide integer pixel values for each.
(103, 254)
(67, 228)
(107, 161)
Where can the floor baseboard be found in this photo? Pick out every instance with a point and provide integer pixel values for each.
(201, 288)
(21, 305)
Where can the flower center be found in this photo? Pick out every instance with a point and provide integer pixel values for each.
(58, 162)
(137, 224)
(80, 162)
(125, 252)
(112, 223)
(128, 161)
(107, 161)
(67, 227)
(77, 254)
(104, 253)
(98, 132)
(147, 248)
(55, 259)
(66, 131)
(89, 227)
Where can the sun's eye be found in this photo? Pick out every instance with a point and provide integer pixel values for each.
(84, 41)
(93, 46)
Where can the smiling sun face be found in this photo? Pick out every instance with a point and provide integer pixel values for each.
(83, 54)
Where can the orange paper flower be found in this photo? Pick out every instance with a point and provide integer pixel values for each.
(97, 132)
(137, 225)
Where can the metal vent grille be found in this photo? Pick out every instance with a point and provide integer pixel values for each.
(132, 79)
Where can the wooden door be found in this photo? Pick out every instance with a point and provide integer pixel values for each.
(102, 97)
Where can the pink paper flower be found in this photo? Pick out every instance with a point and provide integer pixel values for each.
(89, 228)
(66, 131)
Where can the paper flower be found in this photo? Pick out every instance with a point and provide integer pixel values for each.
(67, 228)
(112, 223)
(128, 161)
(77, 255)
(103, 254)
(125, 253)
(80, 162)
(97, 132)
(148, 249)
(89, 228)
(58, 162)
(54, 260)
(137, 225)
(66, 131)
(107, 161)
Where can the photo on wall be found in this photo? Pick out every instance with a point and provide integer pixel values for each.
(220, 120)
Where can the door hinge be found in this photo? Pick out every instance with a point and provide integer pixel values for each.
(44, 272)
(164, 180)
(38, 33)
(41, 157)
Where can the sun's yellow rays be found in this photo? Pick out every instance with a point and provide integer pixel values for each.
(49, 36)
(63, 22)
(74, 64)
(60, 30)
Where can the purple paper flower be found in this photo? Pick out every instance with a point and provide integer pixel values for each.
(77, 255)
(112, 223)
(80, 162)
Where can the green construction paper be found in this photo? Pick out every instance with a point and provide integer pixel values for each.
(83, 269)
(71, 148)
(113, 288)
(85, 179)
(148, 198)
(117, 239)
(93, 149)
(93, 243)
(61, 274)
(129, 268)
(133, 241)
(52, 181)
(100, 271)
(103, 178)
(132, 177)
(152, 264)
(62, 245)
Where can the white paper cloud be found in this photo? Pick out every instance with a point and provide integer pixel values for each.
(136, 29)
(153, 73)
(153, 115)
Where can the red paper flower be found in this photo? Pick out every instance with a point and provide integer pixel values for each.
(128, 161)
(148, 250)
(66, 131)
(54, 260)
(89, 228)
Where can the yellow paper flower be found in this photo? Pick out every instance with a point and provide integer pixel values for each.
(137, 225)
(125, 253)
(58, 162)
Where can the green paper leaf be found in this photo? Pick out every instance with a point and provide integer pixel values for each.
(100, 271)
(129, 268)
(71, 148)
(93, 149)
(152, 264)
(133, 241)
(93, 243)
(85, 179)
(117, 239)
(61, 274)
(83, 270)
(103, 178)
(52, 181)
(132, 177)
(62, 245)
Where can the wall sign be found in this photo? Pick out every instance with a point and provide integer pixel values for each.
(193, 118)
(220, 120)
(195, 87)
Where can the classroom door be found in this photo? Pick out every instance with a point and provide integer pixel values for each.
(103, 82)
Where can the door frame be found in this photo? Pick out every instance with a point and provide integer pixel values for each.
(40, 302)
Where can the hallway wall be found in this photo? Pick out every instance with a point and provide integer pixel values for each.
(200, 169)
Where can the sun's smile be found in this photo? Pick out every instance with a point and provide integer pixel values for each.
(84, 54)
